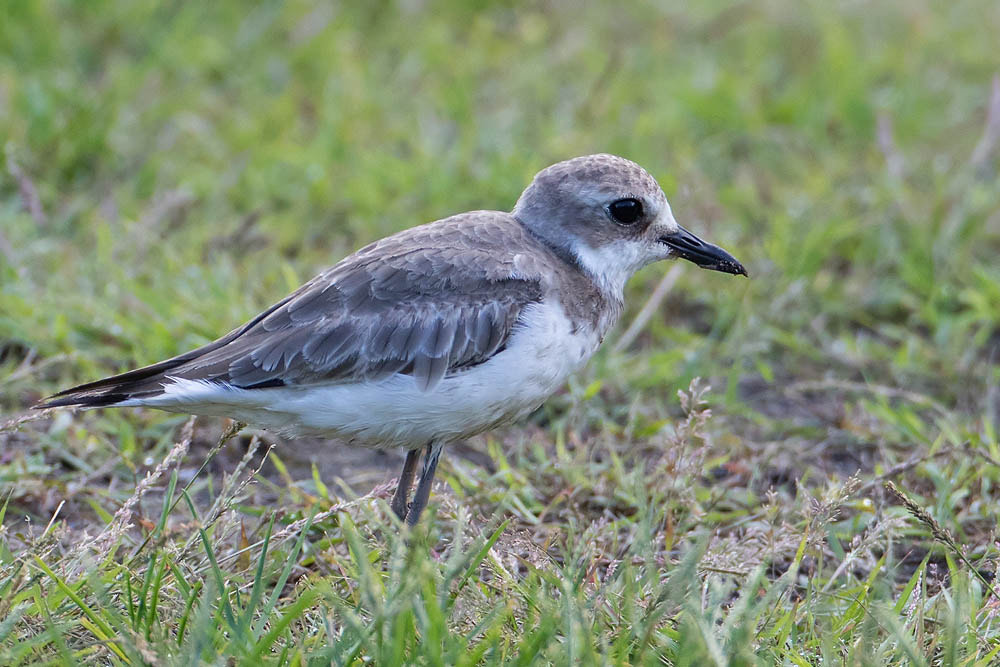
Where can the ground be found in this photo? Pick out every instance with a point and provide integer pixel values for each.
(800, 468)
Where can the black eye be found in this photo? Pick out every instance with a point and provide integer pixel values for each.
(625, 211)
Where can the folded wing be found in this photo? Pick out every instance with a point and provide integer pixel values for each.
(425, 303)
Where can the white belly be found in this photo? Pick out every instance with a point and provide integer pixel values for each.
(539, 356)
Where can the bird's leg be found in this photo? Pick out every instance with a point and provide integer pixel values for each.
(433, 452)
(399, 498)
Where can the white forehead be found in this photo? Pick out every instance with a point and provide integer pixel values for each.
(665, 219)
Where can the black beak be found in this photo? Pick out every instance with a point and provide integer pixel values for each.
(688, 246)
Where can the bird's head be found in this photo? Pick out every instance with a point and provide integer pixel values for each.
(612, 217)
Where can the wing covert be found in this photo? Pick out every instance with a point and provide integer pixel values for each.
(425, 312)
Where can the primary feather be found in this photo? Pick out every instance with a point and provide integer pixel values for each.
(426, 302)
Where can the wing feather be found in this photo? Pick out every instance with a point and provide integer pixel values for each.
(425, 311)
(426, 302)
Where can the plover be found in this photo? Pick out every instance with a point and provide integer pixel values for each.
(436, 333)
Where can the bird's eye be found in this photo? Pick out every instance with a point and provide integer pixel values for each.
(625, 211)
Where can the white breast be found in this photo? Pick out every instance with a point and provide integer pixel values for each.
(542, 352)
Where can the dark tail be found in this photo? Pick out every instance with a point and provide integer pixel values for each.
(140, 383)
(143, 382)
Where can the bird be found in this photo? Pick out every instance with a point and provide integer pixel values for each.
(436, 333)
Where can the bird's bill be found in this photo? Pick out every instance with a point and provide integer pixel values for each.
(687, 246)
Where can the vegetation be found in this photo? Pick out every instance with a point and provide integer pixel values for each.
(171, 168)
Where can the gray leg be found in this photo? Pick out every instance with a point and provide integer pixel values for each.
(399, 498)
(433, 452)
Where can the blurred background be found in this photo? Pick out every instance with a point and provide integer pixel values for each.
(172, 168)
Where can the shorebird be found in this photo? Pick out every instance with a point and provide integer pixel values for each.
(436, 333)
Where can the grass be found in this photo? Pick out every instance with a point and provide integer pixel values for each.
(171, 168)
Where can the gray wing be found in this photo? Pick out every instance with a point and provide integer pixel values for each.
(426, 303)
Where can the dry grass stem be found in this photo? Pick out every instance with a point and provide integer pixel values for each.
(121, 521)
(232, 486)
(26, 187)
(894, 163)
(879, 390)
(15, 423)
(939, 532)
(988, 143)
(649, 309)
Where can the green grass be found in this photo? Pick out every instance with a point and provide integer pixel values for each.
(170, 169)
